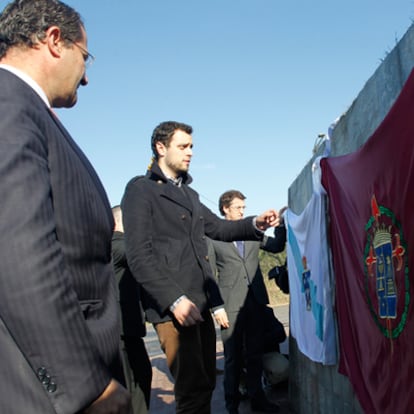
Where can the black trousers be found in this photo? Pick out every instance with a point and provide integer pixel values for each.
(243, 346)
(137, 365)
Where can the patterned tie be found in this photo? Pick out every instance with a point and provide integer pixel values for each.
(240, 247)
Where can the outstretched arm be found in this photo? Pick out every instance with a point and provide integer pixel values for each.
(270, 218)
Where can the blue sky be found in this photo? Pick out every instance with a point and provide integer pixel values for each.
(257, 79)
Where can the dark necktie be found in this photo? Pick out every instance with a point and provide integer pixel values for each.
(240, 247)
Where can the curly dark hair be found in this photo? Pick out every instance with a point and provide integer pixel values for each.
(24, 22)
(227, 197)
(164, 132)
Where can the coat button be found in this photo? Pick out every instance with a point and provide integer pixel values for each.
(51, 387)
(46, 379)
(207, 258)
(182, 216)
(41, 372)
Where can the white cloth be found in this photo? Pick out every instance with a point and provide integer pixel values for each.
(311, 293)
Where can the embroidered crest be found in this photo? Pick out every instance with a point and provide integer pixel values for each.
(386, 271)
(306, 275)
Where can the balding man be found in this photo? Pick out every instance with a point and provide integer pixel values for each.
(59, 326)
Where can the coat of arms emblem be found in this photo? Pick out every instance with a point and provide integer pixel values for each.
(386, 270)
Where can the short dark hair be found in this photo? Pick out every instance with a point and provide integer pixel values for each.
(227, 197)
(24, 22)
(164, 132)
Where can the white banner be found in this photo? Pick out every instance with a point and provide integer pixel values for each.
(311, 291)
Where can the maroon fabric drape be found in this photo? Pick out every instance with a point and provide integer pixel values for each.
(371, 209)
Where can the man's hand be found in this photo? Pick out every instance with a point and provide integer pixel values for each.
(221, 318)
(269, 218)
(114, 400)
(187, 313)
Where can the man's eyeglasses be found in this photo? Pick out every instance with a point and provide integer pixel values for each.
(87, 57)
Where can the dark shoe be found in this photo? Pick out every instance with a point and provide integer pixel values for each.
(264, 406)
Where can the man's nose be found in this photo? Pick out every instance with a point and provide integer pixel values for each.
(84, 81)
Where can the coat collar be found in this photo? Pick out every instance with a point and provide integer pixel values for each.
(183, 197)
(154, 173)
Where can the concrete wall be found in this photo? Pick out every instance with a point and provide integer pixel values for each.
(314, 388)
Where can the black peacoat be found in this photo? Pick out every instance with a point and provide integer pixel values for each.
(165, 233)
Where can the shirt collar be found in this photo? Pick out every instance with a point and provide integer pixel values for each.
(176, 181)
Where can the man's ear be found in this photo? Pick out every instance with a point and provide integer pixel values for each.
(226, 210)
(54, 40)
(161, 148)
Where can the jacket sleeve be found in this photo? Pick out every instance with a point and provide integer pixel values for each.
(277, 243)
(212, 257)
(228, 230)
(118, 252)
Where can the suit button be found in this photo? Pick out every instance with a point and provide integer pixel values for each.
(51, 387)
(183, 217)
(203, 237)
(207, 258)
(41, 372)
(46, 379)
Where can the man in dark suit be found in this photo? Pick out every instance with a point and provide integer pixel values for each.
(165, 234)
(59, 321)
(241, 284)
(137, 365)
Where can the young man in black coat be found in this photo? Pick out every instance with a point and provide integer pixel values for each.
(165, 233)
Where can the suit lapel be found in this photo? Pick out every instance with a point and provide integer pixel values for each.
(29, 94)
(248, 246)
(194, 205)
(88, 166)
(177, 195)
(236, 251)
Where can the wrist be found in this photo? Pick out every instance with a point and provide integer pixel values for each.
(174, 305)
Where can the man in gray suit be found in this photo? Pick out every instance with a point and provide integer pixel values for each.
(59, 322)
(241, 284)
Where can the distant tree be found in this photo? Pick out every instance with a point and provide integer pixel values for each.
(268, 261)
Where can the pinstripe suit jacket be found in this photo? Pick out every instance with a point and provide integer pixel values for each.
(59, 324)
